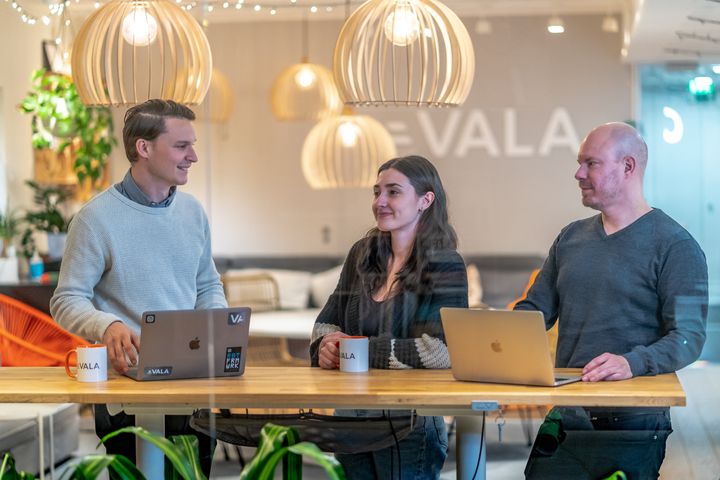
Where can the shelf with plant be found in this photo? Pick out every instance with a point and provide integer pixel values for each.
(47, 216)
(64, 125)
(9, 230)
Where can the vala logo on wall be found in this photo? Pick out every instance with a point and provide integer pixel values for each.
(465, 134)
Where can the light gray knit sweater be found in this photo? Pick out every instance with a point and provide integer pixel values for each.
(122, 259)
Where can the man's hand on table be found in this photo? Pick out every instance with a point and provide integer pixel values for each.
(121, 342)
(606, 367)
(329, 351)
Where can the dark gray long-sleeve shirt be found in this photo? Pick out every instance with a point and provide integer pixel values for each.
(641, 292)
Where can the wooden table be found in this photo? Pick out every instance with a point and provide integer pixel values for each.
(430, 391)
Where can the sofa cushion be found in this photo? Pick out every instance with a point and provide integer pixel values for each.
(323, 284)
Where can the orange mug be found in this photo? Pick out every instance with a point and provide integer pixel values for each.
(91, 363)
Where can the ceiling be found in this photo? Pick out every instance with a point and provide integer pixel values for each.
(656, 31)
(671, 31)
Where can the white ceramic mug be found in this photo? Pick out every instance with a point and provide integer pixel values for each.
(354, 354)
(91, 363)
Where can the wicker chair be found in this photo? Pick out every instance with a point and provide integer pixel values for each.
(30, 338)
(260, 293)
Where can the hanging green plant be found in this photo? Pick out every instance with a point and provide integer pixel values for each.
(60, 120)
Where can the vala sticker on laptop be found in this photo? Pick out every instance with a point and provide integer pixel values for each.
(158, 371)
(235, 318)
(232, 359)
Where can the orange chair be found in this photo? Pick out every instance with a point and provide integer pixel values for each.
(553, 332)
(531, 280)
(30, 338)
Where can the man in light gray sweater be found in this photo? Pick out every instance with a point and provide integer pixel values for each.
(140, 245)
(629, 289)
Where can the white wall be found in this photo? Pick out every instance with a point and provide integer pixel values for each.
(19, 56)
(514, 200)
(249, 175)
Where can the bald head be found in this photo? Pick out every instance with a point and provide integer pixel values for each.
(612, 160)
(621, 140)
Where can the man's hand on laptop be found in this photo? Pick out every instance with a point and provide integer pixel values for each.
(606, 367)
(122, 345)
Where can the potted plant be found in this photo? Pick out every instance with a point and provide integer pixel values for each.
(48, 217)
(277, 444)
(9, 229)
(69, 139)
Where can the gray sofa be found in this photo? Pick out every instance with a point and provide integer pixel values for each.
(503, 277)
(19, 433)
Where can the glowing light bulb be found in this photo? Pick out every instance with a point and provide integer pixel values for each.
(139, 28)
(348, 134)
(402, 26)
(305, 77)
(556, 25)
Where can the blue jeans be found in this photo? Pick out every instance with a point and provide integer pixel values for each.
(599, 442)
(421, 454)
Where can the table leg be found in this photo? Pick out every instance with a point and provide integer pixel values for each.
(470, 453)
(150, 459)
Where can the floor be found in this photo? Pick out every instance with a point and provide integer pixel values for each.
(693, 451)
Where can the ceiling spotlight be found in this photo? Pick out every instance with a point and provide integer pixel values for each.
(610, 24)
(556, 25)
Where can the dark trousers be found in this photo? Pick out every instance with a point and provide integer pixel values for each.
(124, 444)
(599, 442)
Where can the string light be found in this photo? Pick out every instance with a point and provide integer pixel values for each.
(209, 7)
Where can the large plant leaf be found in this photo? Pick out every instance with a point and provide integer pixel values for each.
(331, 466)
(8, 471)
(122, 468)
(269, 465)
(182, 464)
(190, 448)
(279, 443)
(272, 439)
(91, 466)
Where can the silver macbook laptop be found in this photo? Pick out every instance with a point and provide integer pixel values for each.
(192, 344)
(500, 346)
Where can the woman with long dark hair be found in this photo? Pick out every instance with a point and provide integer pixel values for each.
(391, 288)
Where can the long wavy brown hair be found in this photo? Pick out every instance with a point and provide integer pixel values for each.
(434, 232)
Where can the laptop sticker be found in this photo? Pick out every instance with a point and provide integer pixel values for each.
(232, 359)
(158, 371)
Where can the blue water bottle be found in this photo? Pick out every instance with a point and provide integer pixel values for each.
(36, 267)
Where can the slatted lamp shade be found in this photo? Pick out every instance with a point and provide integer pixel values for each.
(305, 91)
(219, 103)
(129, 51)
(404, 52)
(346, 151)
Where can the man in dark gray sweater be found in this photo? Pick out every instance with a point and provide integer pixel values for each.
(629, 289)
